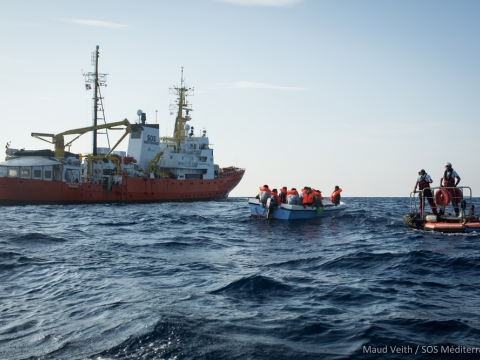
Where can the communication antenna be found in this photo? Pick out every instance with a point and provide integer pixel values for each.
(181, 104)
(97, 80)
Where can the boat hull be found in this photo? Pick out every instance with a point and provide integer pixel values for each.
(447, 224)
(18, 191)
(293, 212)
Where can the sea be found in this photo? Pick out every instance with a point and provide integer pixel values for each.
(204, 280)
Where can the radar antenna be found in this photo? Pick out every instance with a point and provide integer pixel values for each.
(179, 132)
(98, 80)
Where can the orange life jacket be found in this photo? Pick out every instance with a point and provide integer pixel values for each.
(307, 198)
(335, 193)
(265, 189)
(292, 192)
(318, 194)
(277, 198)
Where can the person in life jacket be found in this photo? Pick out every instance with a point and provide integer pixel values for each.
(335, 197)
(264, 194)
(317, 200)
(450, 181)
(423, 182)
(283, 195)
(275, 198)
(306, 196)
(293, 198)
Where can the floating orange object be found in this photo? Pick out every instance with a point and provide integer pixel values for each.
(442, 197)
(457, 194)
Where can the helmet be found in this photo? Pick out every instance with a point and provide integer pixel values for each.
(448, 164)
(421, 171)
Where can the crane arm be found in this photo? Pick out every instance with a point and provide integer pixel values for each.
(42, 135)
(59, 141)
(84, 130)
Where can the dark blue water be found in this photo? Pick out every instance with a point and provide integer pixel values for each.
(205, 281)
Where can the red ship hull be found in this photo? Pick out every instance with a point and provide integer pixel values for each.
(17, 191)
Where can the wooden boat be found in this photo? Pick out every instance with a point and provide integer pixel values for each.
(293, 212)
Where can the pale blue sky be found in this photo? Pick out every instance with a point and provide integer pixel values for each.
(360, 94)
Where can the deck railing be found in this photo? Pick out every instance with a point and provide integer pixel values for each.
(462, 203)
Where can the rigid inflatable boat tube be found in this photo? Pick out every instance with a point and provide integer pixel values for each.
(442, 197)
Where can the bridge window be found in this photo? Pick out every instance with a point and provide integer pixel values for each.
(13, 171)
(26, 171)
(136, 134)
(37, 173)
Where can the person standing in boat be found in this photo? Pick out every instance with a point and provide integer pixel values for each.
(283, 195)
(450, 181)
(335, 197)
(423, 182)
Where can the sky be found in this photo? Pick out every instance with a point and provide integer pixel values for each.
(360, 94)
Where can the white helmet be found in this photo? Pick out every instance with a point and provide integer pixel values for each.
(448, 164)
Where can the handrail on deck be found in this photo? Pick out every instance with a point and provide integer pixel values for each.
(413, 197)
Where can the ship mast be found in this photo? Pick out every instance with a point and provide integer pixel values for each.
(98, 80)
(182, 92)
(95, 104)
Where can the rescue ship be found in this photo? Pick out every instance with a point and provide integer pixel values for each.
(154, 169)
(445, 222)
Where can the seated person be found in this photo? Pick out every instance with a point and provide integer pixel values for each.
(264, 194)
(293, 198)
(317, 200)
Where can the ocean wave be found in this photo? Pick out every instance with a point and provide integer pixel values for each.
(36, 238)
(206, 281)
(255, 285)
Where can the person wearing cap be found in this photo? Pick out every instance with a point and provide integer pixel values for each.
(423, 182)
(450, 177)
(450, 181)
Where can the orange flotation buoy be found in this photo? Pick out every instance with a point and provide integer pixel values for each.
(442, 197)
(457, 195)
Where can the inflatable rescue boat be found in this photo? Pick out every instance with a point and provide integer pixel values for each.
(459, 199)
